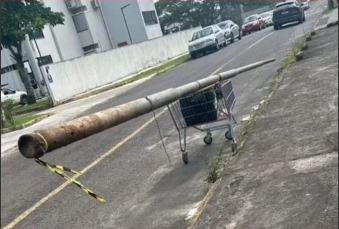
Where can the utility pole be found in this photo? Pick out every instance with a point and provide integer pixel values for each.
(39, 142)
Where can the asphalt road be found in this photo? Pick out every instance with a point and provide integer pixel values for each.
(127, 164)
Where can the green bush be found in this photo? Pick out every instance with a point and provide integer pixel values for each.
(7, 113)
(2, 118)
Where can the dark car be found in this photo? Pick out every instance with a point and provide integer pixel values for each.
(252, 23)
(287, 12)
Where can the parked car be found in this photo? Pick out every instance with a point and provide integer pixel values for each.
(18, 97)
(252, 23)
(230, 30)
(206, 39)
(287, 12)
(267, 17)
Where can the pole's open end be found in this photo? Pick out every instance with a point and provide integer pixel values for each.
(32, 145)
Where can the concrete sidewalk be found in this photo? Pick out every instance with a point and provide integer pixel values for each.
(61, 114)
(286, 175)
(327, 20)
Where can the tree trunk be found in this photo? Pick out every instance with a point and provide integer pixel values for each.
(330, 4)
(17, 56)
(235, 13)
(26, 80)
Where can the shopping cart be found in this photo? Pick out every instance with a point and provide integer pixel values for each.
(207, 110)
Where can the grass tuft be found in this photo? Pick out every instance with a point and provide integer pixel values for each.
(38, 106)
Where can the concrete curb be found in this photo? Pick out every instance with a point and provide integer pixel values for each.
(299, 56)
(304, 47)
(332, 24)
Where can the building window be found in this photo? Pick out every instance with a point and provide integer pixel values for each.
(44, 60)
(122, 44)
(80, 22)
(150, 17)
(8, 68)
(90, 48)
(38, 34)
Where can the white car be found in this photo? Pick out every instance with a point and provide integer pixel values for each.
(305, 5)
(18, 97)
(267, 17)
(230, 30)
(206, 39)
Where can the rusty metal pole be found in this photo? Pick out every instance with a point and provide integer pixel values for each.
(36, 144)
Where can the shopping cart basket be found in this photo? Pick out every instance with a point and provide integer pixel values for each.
(207, 110)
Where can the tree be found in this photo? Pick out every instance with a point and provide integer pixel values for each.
(191, 13)
(172, 11)
(21, 18)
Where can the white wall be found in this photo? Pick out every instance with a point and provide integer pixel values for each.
(153, 31)
(67, 37)
(11, 78)
(116, 24)
(6, 60)
(82, 74)
(66, 34)
(97, 27)
(46, 45)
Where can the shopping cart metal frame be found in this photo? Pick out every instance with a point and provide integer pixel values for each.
(224, 104)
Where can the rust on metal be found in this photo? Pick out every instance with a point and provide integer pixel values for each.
(36, 144)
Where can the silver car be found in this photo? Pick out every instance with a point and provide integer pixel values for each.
(230, 30)
(267, 17)
(206, 39)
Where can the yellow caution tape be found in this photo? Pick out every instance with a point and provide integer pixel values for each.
(58, 169)
(61, 168)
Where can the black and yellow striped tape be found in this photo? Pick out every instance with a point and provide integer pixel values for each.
(58, 169)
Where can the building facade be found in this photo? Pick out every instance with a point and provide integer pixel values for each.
(131, 21)
(91, 26)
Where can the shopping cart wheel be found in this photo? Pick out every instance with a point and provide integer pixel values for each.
(185, 157)
(228, 135)
(234, 147)
(208, 139)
